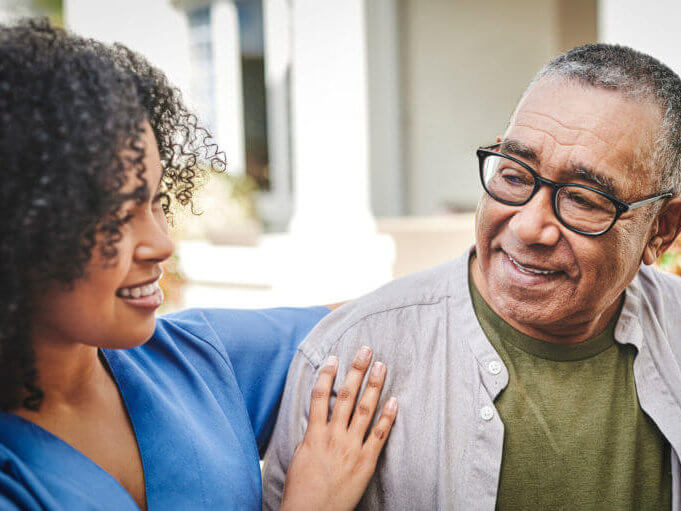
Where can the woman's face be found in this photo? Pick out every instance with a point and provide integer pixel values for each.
(113, 305)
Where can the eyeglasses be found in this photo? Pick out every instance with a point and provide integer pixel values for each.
(582, 209)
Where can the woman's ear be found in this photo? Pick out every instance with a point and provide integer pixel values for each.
(667, 228)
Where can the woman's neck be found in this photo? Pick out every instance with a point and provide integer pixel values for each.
(71, 376)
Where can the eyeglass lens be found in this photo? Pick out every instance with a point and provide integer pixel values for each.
(579, 208)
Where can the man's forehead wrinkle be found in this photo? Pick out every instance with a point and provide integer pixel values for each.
(557, 142)
(561, 124)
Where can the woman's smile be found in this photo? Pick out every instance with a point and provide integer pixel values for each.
(147, 294)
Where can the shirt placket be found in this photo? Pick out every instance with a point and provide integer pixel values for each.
(486, 448)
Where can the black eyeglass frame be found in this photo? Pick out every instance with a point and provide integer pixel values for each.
(620, 206)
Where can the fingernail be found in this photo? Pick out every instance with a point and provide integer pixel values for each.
(331, 361)
(377, 369)
(364, 353)
(391, 404)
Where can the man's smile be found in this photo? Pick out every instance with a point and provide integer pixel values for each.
(531, 269)
(526, 272)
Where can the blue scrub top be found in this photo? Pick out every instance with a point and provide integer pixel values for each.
(202, 396)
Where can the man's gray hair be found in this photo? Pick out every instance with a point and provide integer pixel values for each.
(640, 77)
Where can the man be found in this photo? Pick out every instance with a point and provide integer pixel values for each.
(542, 370)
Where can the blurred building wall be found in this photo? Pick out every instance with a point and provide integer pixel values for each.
(443, 77)
(151, 27)
(464, 66)
(651, 27)
(10, 10)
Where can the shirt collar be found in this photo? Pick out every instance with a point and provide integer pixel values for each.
(628, 329)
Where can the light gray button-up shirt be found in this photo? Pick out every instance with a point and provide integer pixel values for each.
(445, 449)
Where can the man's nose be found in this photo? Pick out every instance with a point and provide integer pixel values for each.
(535, 223)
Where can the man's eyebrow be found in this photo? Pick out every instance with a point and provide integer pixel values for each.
(595, 178)
(517, 148)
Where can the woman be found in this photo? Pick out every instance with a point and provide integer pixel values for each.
(103, 406)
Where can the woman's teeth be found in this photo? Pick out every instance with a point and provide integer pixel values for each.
(139, 291)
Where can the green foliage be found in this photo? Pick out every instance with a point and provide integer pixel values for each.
(671, 261)
(668, 259)
(53, 9)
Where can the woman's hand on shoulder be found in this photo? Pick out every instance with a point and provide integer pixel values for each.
(332, 466)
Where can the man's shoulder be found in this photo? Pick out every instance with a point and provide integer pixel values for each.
(658, 295)
(659, 288)
(395, 307)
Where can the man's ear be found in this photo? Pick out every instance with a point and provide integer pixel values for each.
(667, 228)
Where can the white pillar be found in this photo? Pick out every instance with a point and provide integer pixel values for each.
(275, 205)
(330, 117)
(388, 187)
(651, 27)
(229, 107)
(335, 251)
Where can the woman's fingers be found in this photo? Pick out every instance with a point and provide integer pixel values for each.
(364, 412)
(319, 401)
(347, 393)
(379, 433)
(333, 465)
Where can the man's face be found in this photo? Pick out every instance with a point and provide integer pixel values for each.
(535, 272)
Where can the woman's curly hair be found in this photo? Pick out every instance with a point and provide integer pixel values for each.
(70, 107)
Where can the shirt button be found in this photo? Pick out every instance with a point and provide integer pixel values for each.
(494, 367)
(487, 413)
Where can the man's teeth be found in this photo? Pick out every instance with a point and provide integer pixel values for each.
(532, 271)
(139, 291)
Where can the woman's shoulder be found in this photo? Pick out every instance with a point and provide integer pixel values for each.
(232, 343)
(227, 330)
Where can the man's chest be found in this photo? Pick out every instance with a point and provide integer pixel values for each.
(577, 434)
(456, 447)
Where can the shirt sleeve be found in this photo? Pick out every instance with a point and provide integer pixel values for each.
(289, 431)
(260, 345)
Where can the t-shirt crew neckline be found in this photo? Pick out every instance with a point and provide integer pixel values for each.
(491, 321)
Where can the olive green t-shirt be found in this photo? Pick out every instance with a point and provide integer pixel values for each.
(575, 436)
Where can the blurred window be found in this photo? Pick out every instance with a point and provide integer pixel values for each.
(252, 42)
(203, 72)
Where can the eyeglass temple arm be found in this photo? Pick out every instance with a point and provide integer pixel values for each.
(649, 200)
